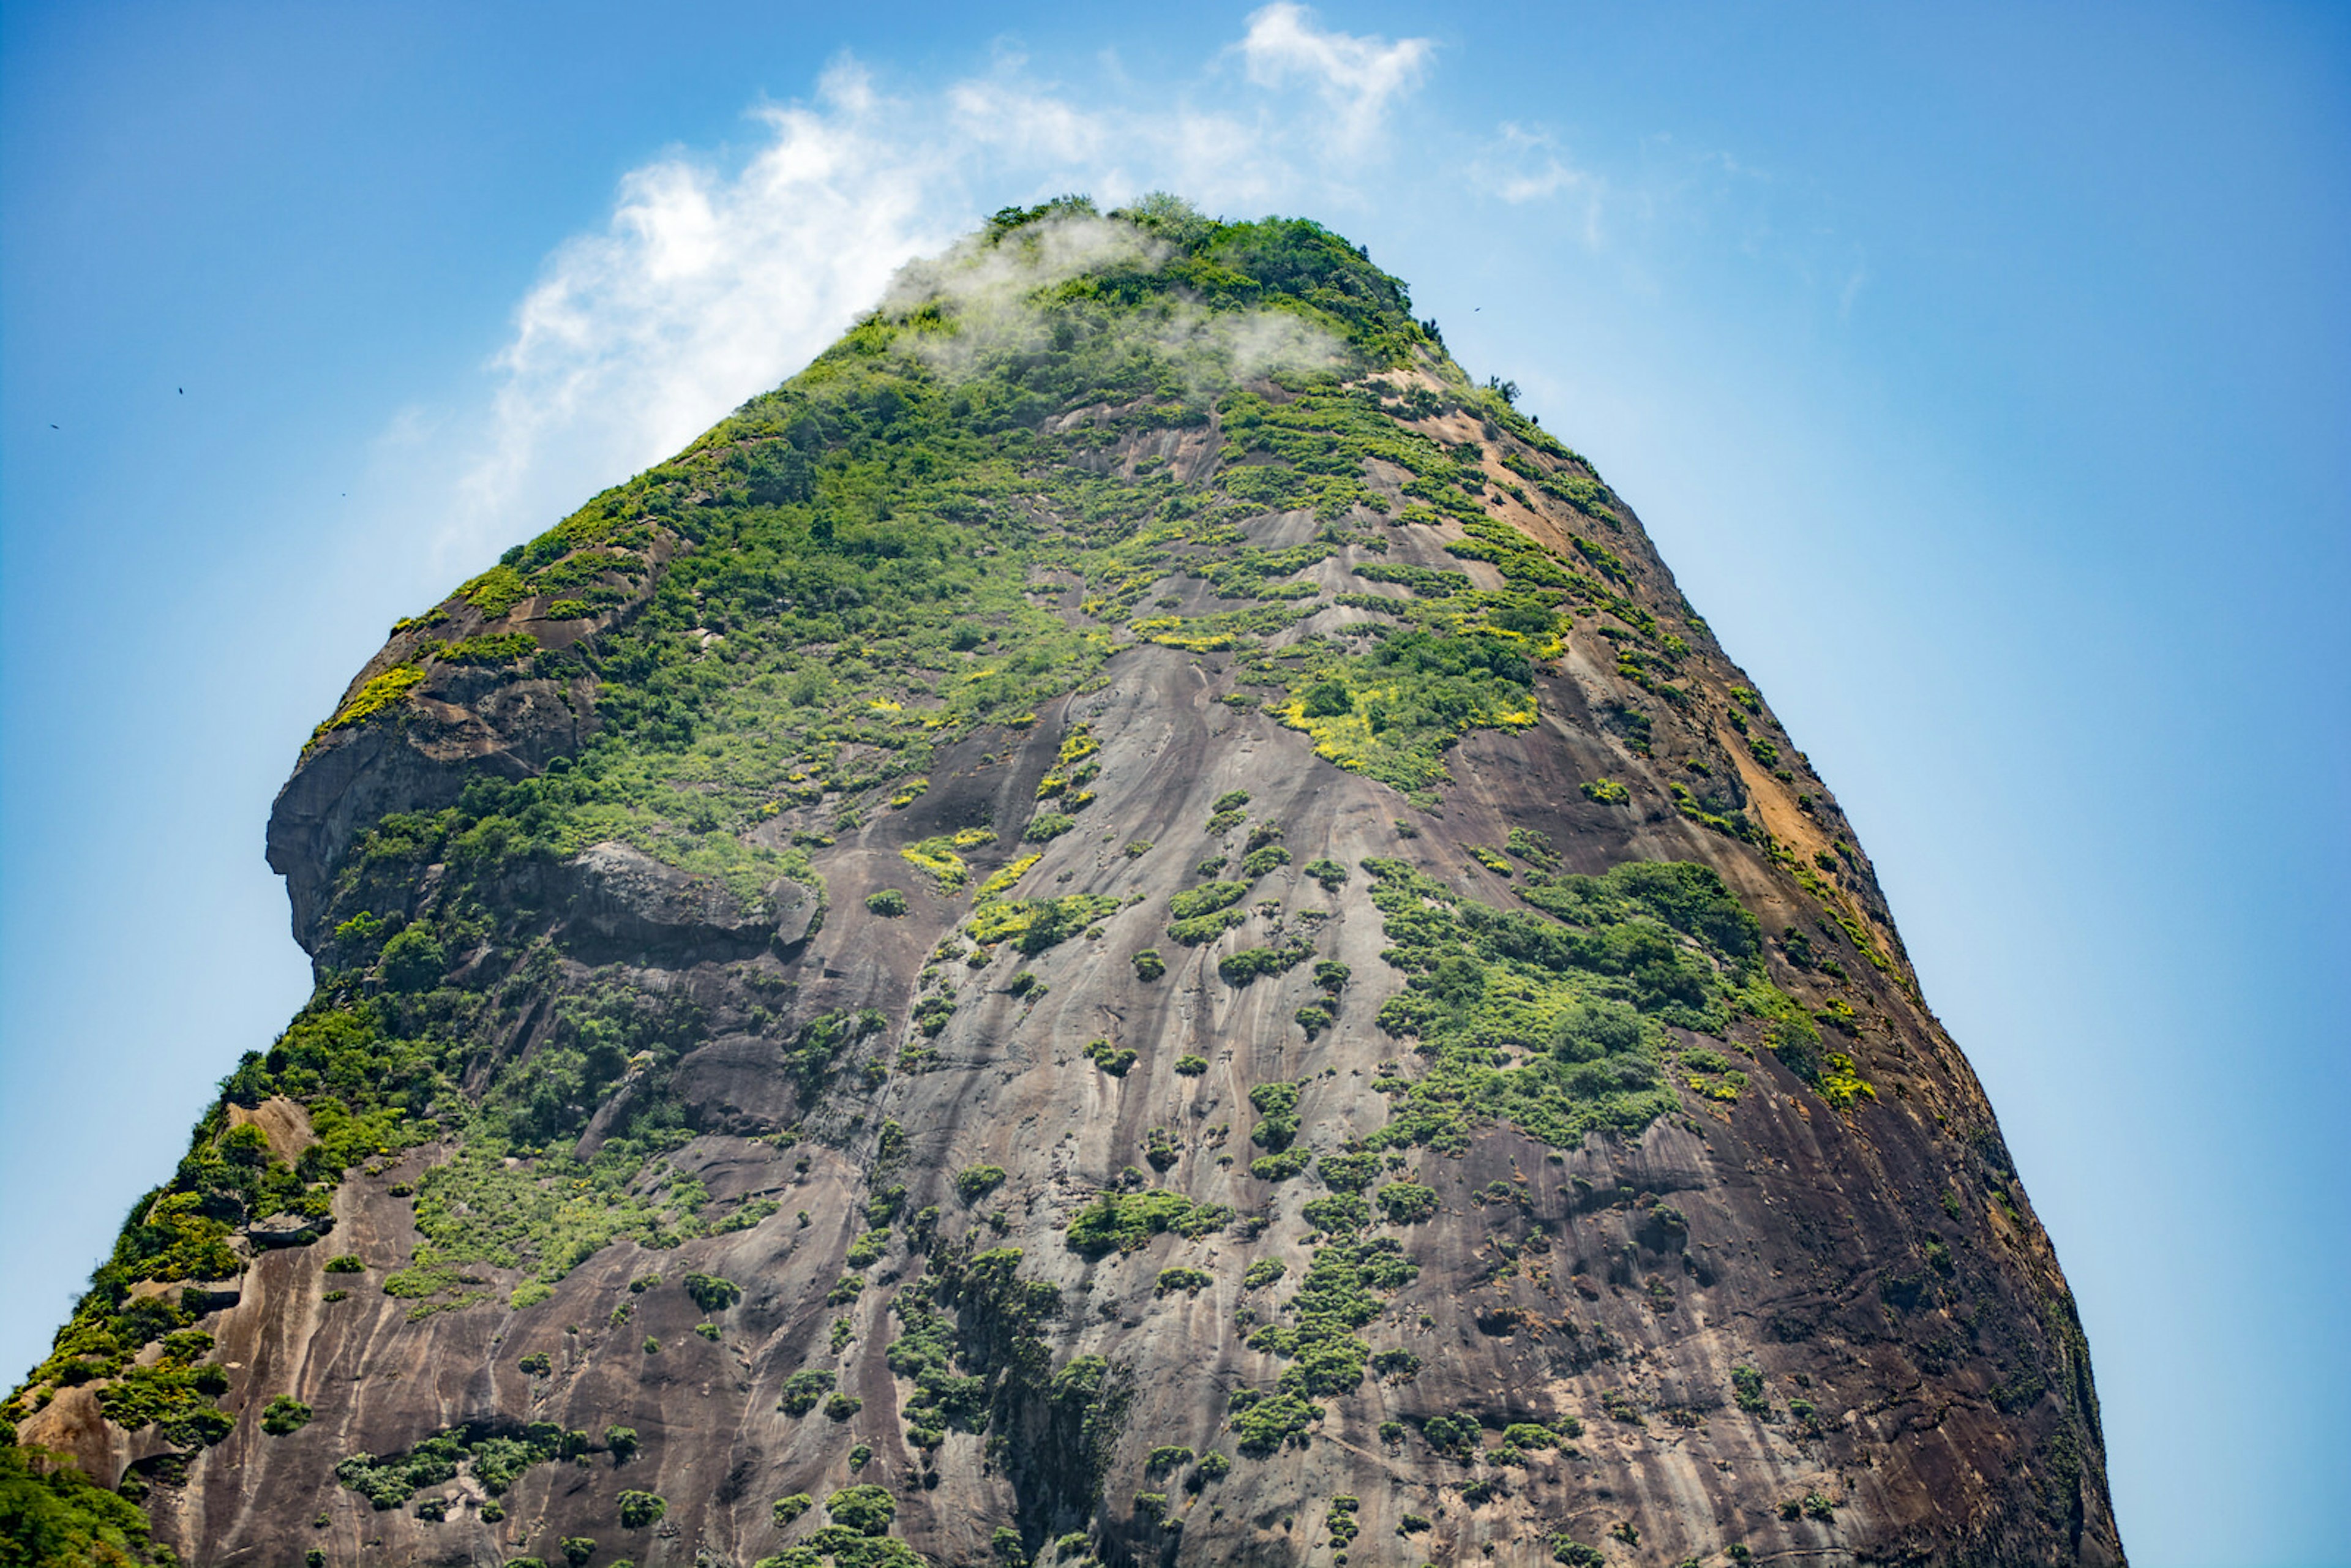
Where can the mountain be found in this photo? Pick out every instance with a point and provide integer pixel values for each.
(1128, 923)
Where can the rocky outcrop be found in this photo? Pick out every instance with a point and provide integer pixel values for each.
(1221, 976)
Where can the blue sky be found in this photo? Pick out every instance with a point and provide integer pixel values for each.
(1985, 376)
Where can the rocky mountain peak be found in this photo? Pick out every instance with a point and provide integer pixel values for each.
(1129, 922)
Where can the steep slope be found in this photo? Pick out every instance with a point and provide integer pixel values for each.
(1130, 923)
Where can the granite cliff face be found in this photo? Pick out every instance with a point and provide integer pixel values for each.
(1129, 923)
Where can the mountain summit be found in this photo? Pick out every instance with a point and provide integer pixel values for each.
(1128, 923)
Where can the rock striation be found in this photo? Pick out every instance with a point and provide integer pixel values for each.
(1129, 923)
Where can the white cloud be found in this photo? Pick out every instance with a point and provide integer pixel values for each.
(712, 282)
(704, 287)
(1521, 165)
(1356, 76)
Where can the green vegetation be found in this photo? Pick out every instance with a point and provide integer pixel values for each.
(54, 1515)
(1407, 1203)
(496, 1461)
(1606, 791)
(1277, 1107)
(1112, 1059)
(1047, 826)
(1550, 1020)
(1148, 964)
(1207, 899)
(285, 1414)
(1250, 963)
(805, 1389)
(976, 1182)
(711, 1293)
(640, 1510)
(1327, 871)
(889, 902)
(1123, 1222)
(1035, 924)
(1261, 861)
(867, 1510)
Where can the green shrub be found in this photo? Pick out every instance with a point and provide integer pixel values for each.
(1125, 1221)
(1533, 847)
(1202, 929)
(1206, 899)
(285, 1414)
(1264, 1272)
(711, 1293)
(866, 1509)
(1112, 1059)
(889, 902)
(413, 960)
(1230, 801)
(640, 1509)
(1326, 699)
(1747, 1390)
(1148, 964)
(1190, 1066)
(842, 1407)
(1347, 1173)
(1407, 1203)
(787, 1509)
(1607, 792)
(1261, 861)
(1280, 1166)
(1250, 963)
(1327, 871)
(1277, 1107)
(622, 1442)
(1047, 826)
(805, 1390)
(577, 1550)
(348, 1263)
(976, 1182)
(1191, 1281)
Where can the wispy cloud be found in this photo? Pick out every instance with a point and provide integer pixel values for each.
(712, 281)
(1521, 165)
(1357, 77)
